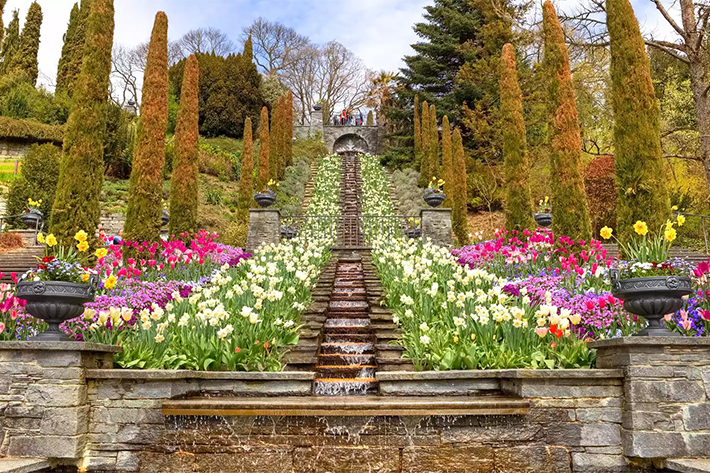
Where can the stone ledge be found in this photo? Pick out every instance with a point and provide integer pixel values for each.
(160, 375)
(651, 341)
(23, 465)
(579, 374)
(689, 465)
(60, 346)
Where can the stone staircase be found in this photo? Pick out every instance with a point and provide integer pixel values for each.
(19, 261)
(308, 195)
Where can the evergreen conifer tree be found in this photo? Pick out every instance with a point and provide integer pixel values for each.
(10, 43)
(642, 192)
(288, 135)
(370, 119)
(24, 62)
(275, 141)
(246, 179)
(424, 166)
(146, 183)
(570, 212)
(264, 173)
(184, 182)
(447, 162)
(2, 25)
(518, 204)
(73, 48)
(417, 132)
(433, 167)
(459, 212)
(76, 206)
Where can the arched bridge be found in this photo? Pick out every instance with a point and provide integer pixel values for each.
(363, 139)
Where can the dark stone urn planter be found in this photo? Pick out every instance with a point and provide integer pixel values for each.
(265, 199)
(32, 219)
(543, 219)
(413, 232)
(652, 298)
(434, 199)
(55, 302)
(165, 218)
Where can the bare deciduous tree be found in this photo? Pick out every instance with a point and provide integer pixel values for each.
(206, 41)
(276, 46)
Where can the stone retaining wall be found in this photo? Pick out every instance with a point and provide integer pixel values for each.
(13, 149)
(59, 401)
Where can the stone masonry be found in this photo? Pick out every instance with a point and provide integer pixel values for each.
(13, 149)
(666, 411)
(264, 228)
(436, 224)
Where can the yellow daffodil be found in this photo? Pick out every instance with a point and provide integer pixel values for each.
(606, 232)
(81, 236)
(101, 253)
(641, 228)
(669, 224)
(473, 337)
(681, 220)
(83, 246)
(674, 208)
(85, 277)
(40, 238)
(110, 283)
(51, 240)
(670, 234)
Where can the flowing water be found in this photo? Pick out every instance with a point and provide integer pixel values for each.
(346, 359)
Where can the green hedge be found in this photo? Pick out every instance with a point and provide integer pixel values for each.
(30, 130)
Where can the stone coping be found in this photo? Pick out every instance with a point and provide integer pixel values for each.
(434, 209)
(23, 465)
(348, 406)
(652, 341)
(60, 346)
(158, 375)
(498, 374)
(689, 465)
(265, 210)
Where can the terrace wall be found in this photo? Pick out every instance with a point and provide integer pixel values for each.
(61, 401)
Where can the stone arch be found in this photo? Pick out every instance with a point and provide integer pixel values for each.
(351, 142)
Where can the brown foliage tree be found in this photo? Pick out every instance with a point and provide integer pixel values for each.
(246, 179)
(264, 156)
(146, 183)
(459, 212)
(447, 162)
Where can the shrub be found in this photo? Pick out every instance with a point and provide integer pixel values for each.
(214, 197)
(599, 182)
(293, 188)
(19, 99)
(11, 241)
(37, 180)
(409, 195)
(30, 130)
(311, 148)
(216, 163)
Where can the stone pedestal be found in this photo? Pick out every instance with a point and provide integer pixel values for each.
(264, 228)
(44, 409)
(29, 237)
(436, 224)
(316, 123)
(666, 412)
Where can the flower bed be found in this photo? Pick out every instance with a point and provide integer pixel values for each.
(326, 187)
(375, 187)
(462, 318)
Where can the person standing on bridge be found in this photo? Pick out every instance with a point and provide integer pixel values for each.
(361, 119)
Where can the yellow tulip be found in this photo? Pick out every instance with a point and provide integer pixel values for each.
(89, 314)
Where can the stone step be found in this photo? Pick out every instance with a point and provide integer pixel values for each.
(688, 465)
(23, 465)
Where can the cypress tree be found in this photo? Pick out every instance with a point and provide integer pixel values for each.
(264, 155)
(246, 179)
(76, 206)
(447, 162)
(146, 183)
(518, 208)
(275, 141)
(2, 25)
(11, 42)
(642, 192)
(417, 131)
(288, 135)
(570, 212)
(424, 150)
(370, 119)
(24, 62)
(77, 25)
(183, 184)
(459, 213)
(433, 168)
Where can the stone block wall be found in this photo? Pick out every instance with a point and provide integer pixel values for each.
(112, 223)
(436, 224)
(666, 411)
(13, 149)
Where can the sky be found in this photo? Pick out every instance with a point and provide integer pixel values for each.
(378, 31)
